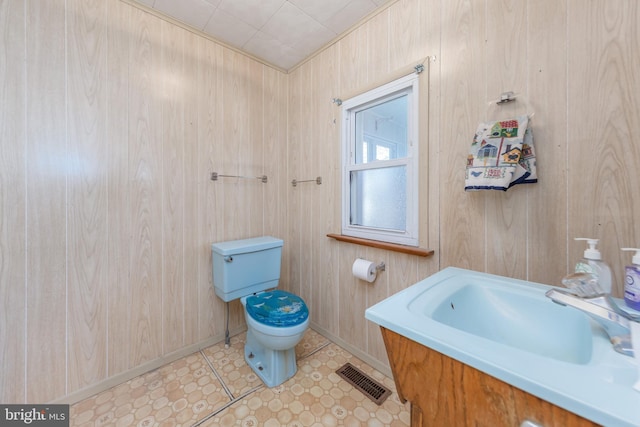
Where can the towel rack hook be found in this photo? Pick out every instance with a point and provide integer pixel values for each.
(506, 97)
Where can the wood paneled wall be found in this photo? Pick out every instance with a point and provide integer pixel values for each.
(574, 65)
(320, 267)
(111, 120)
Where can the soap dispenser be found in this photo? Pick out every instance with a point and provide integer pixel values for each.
(632, 280)
(592, 263)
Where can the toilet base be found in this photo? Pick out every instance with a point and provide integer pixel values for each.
(272, 366)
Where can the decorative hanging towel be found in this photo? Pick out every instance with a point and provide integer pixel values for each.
(501, 156)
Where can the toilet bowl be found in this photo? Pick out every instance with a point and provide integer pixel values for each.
(249, 269)
(275, 337)
(270, 349)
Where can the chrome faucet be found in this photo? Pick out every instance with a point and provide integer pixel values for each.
(603, 309)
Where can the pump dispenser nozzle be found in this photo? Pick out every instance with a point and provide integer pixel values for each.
(591, 252)
(636, 256)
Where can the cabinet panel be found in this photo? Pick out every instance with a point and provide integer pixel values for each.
(445, 392)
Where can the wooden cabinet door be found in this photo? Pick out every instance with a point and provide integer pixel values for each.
(444, 392)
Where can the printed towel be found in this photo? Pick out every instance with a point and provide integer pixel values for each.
(501, 156)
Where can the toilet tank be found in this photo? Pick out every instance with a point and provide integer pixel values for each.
(242, 267)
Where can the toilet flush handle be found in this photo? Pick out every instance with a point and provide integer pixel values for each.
(228, 259)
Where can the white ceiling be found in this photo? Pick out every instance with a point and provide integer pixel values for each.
(280, 32)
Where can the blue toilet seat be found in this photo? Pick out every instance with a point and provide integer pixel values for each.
(277, 308)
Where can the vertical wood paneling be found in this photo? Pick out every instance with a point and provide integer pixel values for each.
(194, 243)
(428, 44)
(276, 213)
(145, 171)
(378, 55)
(173, 199)
(105, 166)
(603, 123)
(462, 229)
(87, 259)
(252, 148)
(211, 210)
(353, 59)
(274, 153)
(376, 292)
(326, 197)
(352, 300)
(547, 222)
(406, 33)
(400, 273)
(314, 201)
(506, 63)
(240, 208)
(12, 202)
(234, 129)
(306, 214)
(295, 122)
(46, 171)
(119, 32)
(285, 174)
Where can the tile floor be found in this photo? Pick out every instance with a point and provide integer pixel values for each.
(215, 387)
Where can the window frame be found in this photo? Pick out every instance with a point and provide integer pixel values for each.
(386, 92)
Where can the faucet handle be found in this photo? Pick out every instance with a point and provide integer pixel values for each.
(584, 285)
(622, 344)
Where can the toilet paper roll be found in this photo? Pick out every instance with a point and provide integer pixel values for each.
(365, 270)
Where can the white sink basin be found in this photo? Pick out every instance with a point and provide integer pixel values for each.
(508, 329)
(517, 316)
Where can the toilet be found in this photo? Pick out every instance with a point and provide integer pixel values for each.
(249, 270)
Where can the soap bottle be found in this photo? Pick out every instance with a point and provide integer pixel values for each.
(592, 263)
(632, 280)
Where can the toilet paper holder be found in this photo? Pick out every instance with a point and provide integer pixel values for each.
(366, 270)
(380, 267)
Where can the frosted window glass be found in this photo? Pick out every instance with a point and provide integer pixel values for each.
(381, 131)
(380, 163)
(379, 198)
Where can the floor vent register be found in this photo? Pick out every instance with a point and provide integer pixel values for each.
(367, 385)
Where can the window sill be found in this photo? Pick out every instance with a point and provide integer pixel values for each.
(383, 245)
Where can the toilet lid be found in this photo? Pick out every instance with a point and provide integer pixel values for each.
(277, 308)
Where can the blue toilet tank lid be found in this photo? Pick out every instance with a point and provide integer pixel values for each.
(277, 308)
(255, 244)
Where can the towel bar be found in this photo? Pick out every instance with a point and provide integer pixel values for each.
(318, 181)
(215, 175)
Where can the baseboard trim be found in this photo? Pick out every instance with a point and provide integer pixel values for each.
(122, 377)
(374, 363)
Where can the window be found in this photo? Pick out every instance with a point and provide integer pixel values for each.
(380, 162)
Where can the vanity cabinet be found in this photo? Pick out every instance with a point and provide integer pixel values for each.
(444, 392)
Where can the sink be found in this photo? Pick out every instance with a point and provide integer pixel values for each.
(508, 329)
(516, 316)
